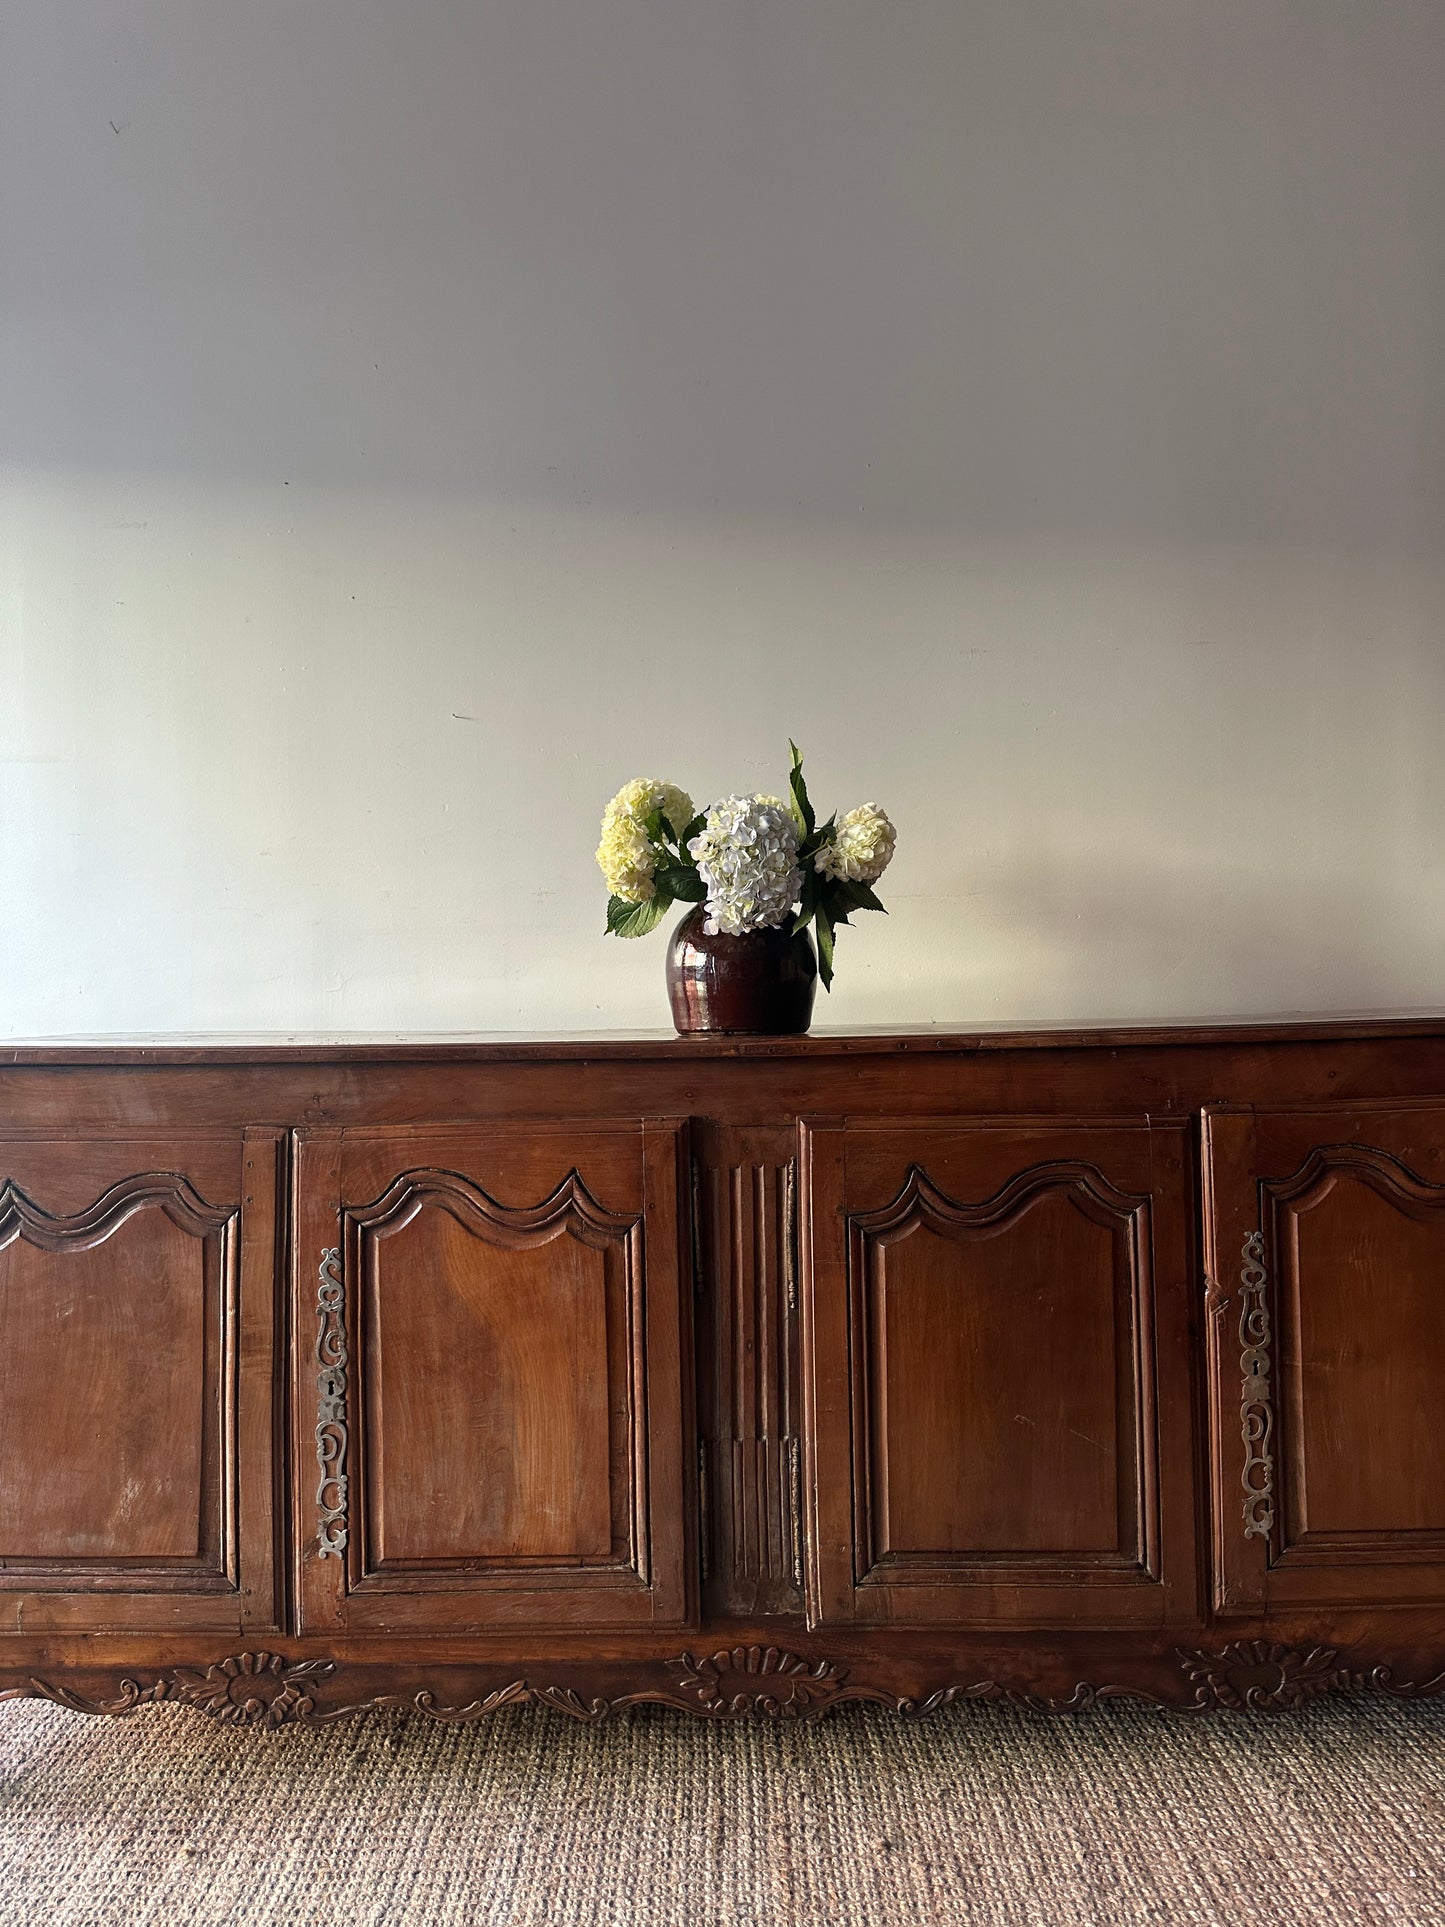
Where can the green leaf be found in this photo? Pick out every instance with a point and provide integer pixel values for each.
(861, 897)
(681, 882)
(825, 948)
(803, 814)
(652, 823)
(809, 904)
(695, 828)
(833, 898)
(815, 840)
(666, 828)
(634, 919)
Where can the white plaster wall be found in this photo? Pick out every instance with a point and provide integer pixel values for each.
(418, 416)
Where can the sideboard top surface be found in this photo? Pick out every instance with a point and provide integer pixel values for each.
(508, 1047)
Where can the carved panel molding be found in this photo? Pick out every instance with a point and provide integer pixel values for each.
(919, 1201)
(1389, 1176)
(888, 1483)
(120, 1427)
(537, 1326)
(21, 1217)
(570, 1210)
(1358, 1237)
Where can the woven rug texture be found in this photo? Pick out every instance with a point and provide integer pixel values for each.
(985, 1813)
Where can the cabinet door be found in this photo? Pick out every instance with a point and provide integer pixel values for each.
(490, 1388)
(996, 1361)
(1326, 1256)
(137, 1317)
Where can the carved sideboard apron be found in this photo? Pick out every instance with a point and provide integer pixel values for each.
(746, 1376)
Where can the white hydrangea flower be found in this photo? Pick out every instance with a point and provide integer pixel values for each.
(747, 856)
(625, 855)
(862, 849)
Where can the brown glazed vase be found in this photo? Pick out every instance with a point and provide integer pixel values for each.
(761, 983)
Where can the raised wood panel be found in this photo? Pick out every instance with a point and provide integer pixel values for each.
(132, 1388)
(503, 1402)
(984, 1345)
(113, 1329)
(496, 1401)
(1328, 1367)
(995, 1351)
(1362, 1254)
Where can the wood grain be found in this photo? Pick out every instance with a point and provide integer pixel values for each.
(990, 1291)
(513, 1376)
(1349, 1203)
(137, 1363)
(746, 1375)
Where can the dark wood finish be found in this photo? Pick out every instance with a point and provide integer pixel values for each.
(511, 1328)
(1345, 1402)
(750, 1679)
(997, 1359)
(745, 1204)
(232, 1048)
(747, 1375)
(137, 1327)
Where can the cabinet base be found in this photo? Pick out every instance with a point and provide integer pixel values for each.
(267, 1689)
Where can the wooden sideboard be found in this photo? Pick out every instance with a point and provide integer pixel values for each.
(748, 1376)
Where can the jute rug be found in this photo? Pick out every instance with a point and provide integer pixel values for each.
(1336, 1814)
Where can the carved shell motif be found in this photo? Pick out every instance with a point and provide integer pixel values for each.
(251, 1689)
(1251, 1675)
(758, 1679)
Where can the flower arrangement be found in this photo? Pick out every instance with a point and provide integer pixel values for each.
(752, 862)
